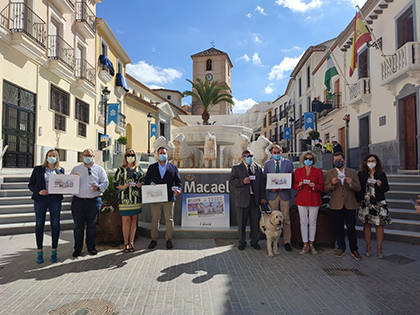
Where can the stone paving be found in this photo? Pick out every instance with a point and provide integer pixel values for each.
(207, 276)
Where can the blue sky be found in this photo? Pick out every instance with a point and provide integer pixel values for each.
(263, 38)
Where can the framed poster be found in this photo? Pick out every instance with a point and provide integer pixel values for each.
(154, 193)
(279, 180)
(204, 210)
(63, 184)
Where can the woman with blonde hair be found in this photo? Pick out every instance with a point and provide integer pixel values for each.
(128, 180)
(309, 182)
(38, 184)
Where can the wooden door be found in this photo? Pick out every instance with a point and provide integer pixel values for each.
(410, 131)
(342, 133)
(364, 136)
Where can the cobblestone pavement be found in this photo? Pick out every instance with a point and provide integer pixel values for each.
(208, 277)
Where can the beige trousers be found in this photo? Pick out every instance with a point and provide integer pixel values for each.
(284, 207)
(168, 211)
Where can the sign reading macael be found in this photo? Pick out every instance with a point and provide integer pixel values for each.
(191, 187)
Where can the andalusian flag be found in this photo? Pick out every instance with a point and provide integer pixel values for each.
(360, 36)
(331, 71)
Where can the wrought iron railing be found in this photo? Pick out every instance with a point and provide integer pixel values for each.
(59, 49)
(121, 120)
(19, 18)
(274, 118)
(85, 71)
(85, 14)
(336, 100)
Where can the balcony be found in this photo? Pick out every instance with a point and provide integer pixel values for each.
(405, 62)
(274, 119)
(28, 31)
(64, 6)
(121, 85)
(61, 56)
(274, 138)
(360, 93)
(120, 127)
(85, 77)
(85, 20)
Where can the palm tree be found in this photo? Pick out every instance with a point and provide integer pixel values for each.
(209, 94)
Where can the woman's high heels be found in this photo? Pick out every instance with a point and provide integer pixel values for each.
(368, 252)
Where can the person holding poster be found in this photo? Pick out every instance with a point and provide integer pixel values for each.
(279, 199)
(309, 182)
(248, 179)
(128, 180)
(38, 184)
(163, 172)
(86, 205)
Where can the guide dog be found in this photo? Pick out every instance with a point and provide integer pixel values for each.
(271, 225)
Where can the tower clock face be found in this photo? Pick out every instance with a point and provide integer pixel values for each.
(209, 76)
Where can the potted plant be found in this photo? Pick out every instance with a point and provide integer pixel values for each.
(313, 135)
(109, 225)
(122, 140)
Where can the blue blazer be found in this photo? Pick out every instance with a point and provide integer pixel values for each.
(286, 166)
(37, 183)
(171, 178)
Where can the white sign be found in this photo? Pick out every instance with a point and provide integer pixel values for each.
(63, 184)
(154, 193)
(328, 124)
(104, 138)
(279, 180)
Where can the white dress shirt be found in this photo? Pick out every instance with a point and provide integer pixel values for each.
(94, 175)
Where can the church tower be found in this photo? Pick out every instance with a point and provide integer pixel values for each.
(215, 65)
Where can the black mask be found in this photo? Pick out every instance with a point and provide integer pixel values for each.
(338, 164)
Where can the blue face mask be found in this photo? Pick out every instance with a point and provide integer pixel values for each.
(249, 160)
(277, 157)
(308, 162)
(87, 160)
(52, 160)
(162, 157)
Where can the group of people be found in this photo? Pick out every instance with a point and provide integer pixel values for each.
(354, 195)
(86, 204)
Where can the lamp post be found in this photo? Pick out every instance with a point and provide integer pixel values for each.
(105, 97)
(149, 117)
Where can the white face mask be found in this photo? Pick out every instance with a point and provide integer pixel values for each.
(130, 159)
(371, 165)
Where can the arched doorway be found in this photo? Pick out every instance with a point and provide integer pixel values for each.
(129, 135)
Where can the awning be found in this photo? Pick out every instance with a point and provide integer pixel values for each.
(122, 81)
(106, 62)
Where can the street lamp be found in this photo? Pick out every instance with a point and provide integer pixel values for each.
(149, 117)
(105, 98)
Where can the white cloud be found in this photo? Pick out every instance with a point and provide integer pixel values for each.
(249, 15)
(290, 49)
(243, 106)
(299, 6)
(154, 86)
(278, 71)
(360, 3)
(244, 57)
(269, 89)
(150, 74)
(256, 38)
(259, 9)
(256, 60)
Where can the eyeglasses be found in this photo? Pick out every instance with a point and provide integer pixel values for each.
(87, 155)
(133, 155)
(308, 159)
(249, 155)
(89, 171)
(276, 152)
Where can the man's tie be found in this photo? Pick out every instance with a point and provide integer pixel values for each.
(277, 167)
(250, 173)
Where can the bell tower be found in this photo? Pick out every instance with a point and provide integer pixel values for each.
(215, 65)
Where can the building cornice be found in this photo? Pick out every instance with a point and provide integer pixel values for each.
(103, 27)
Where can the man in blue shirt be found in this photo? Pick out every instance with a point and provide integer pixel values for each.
(163, 172)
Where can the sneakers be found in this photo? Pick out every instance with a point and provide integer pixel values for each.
(256, 246)
(169, 244)
(152, 244)
(340, 253)
(287, 247)
(356, 255)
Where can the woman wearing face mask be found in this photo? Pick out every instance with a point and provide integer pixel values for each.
(373, 208)
(128, 180)
(309, 182)
(38, 184)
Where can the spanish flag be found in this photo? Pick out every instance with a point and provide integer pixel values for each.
(360, 36)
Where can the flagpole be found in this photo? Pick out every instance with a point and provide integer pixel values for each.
(341, 72)
(374, 38)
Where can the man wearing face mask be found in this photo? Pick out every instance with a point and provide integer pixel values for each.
(86, 205)
(279, 199)
(248, 179)
(163, 172)
(343, 182)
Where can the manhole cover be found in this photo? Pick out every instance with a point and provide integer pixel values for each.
(85, 307)
(399, 260)
(345, 272)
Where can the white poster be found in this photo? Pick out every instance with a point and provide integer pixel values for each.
(279, 180)
(154, 193)
(63, 184)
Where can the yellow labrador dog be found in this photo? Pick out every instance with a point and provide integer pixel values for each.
(271, 225)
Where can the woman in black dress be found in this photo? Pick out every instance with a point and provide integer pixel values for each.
(373, 209)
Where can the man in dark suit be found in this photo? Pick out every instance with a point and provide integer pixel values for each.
(279, 199)
(343, 182)
(163, 172)
(337, 147)
(248, 179)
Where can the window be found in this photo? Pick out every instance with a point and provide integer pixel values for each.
(119, 67)
(265, 121)
(79, 157)
(208, 64)
(269, 118)
(405, 28)
(82, 115)
(60, 105)
(162, 129)
(363, 64)
(300, 87)
(104, 48)
(308, 74)
(168, 97)
(308, 108)
(62, 154)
